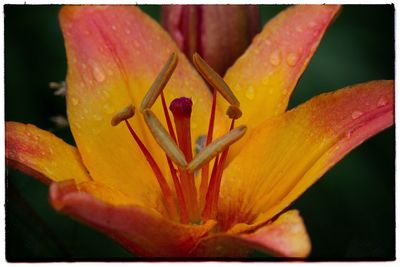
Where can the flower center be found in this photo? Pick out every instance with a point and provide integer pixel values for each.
(193, 204)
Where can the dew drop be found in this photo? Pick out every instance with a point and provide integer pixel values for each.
(250, 93)
(74, 101)
(108, 109)
(299, 29)
(292, 59)
(382, 101)
(356, 114)
(114, 27)
(275, 58)
(98, 74)
(312, 24)
(97, 117)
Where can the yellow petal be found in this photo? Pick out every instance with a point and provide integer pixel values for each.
(114, 54)
(264, 77)
(41, 154)
(287, 154)
(285, 237)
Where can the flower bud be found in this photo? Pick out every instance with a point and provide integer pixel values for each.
(219, 33)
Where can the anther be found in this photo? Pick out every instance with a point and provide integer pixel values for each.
(215, 80)
(163, 138)
(127, 113)
(234, 112)
(214, 148)
(159, 83)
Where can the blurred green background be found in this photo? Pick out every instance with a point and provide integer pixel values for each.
(349, 213)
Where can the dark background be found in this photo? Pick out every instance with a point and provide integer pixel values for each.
(349, 213)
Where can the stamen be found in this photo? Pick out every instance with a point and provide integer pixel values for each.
(127, 113)
(234, 112)
(215, 80)
(205, 169)
(160, 82)
(163, 139)
(181, 108)
(211, 202)
(216, 147)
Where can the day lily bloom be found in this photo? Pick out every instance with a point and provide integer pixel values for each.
(219, 33)
(135, 177)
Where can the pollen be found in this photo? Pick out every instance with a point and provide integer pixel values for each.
(127, 113)
(185, 201)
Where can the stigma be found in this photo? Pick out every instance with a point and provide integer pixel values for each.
(184, 201)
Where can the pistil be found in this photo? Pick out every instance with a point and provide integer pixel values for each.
(181, 109)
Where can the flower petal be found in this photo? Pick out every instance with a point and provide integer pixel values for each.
(114, 54)
(287, 154)
(140, 230)
(265, 76)
(285, 237)
(219, 33)
(41, 154)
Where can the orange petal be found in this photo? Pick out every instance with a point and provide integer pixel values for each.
(114, 54)
(41, 154)
(265, 76)
(285, 237)
(140, 230)
(288, 153)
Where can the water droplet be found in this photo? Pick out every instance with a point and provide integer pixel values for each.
(312, 24)
(114, 27)
(127, 31)
(275, 58)
(250, 93)
(74, 101)
(98, 74)
(108, 109)
(299, 29)
(382, 101)
(292, 59)
(97, 117)
(356, 114)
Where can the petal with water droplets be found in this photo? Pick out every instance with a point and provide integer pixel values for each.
(266, 74)
(114, 54)
(288, 153)
(41, 154)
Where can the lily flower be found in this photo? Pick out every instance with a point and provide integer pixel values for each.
(135, 177)
(219, 33)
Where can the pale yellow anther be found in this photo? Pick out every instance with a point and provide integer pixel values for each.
(234, 112)
(163, 138)
(159, 83)
(215, 80)
(127, 113)
(216, 147)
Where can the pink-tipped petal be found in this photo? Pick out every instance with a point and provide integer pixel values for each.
(286, 237)
(289, 153)
(41, 154)
(114, 55)
(140, 230)
(265, 76)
